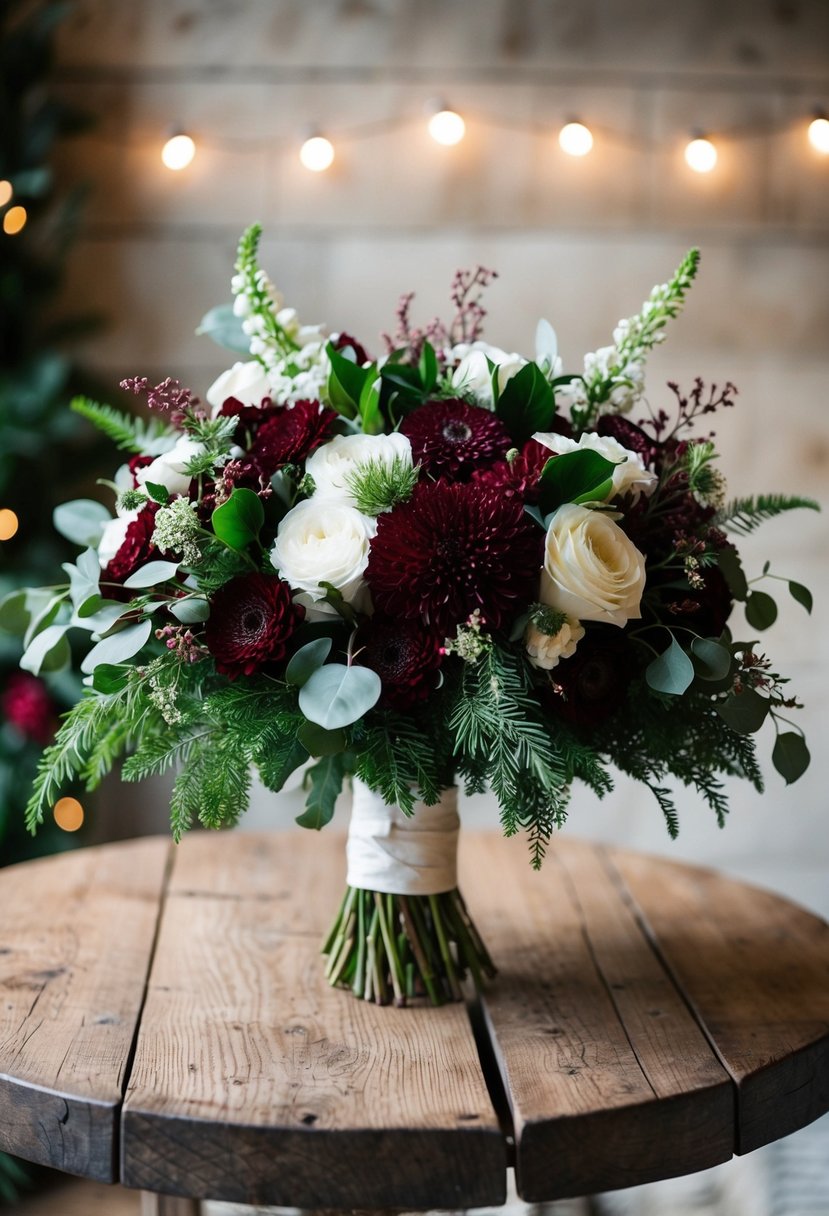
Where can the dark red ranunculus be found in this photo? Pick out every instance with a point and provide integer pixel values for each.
(453, 438)
(452, 549)
(27, 705)
(252, 619)
(404, 655)
(517, 478)
(594, 681)
(136, 549)
(343, 340)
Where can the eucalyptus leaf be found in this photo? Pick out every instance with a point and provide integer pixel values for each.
(14, 614)
(308, 659)
(48, 651)
(712, 660)
(237, 522)
(318, 741)
(225, 328)
(152, 574)
(801, 594)
(326, 781)
(81, 521)
(336, 695)
(745, 712)
(84, 577)
(670, 672)
(118, 647)
(45, 608)
(790, 756)
(761, 610)
(191, 611)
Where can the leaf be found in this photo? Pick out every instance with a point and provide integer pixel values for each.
(728, 559)
(237, 522)
(225, 328)
(564, 479)
(336, 695)
(109, 678)
(82, 520)
(712, 659)
(369, 405)
(326, 778)
(307, 660)
(790, 756)
(671, 672)
(761, 610)
(345, 382)
(84, 577)
(802, 594)
(274, 770)
(745, 712)
(44, 607)
(428, 367)
(527, 404)
(152, 574)
(191, 611)
(14, 614)
(118, 647)
(546, 345)
(320, 742)
(158, 493)
(48, 652)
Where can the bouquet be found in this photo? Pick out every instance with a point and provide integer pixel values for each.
(447, 565)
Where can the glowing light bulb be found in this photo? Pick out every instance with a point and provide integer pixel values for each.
(819, 134)
(178, 152)
(14, 220)
(317, 154)
(68, 814)
(447, 127)
(9, 523)
(700, 155)
(6, 193)
(575, 139)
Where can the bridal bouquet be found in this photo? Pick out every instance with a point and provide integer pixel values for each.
(447, 565)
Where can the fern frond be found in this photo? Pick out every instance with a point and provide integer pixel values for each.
(743, 515)
(128, 433)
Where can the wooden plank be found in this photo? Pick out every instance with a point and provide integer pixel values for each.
(75, 947)
(610, 1080)
(755, 968)
(255, 1082)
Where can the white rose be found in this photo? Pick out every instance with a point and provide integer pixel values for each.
(332, 465)
(168, 470)
(592, 571)
(472, 375)
(546, 651)
(114, 535)
(324, 540)
(247, 382)
(629, 476)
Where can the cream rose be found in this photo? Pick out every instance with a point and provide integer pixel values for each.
(324, 540)
(332, 465)
(169, 469)
(592, 571)
(629, 476)
(247, 382)
(545, 650)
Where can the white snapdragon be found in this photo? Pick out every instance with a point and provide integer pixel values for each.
(324, 540)
(630, 476)
(592, 570)
(332, 465)
(170, 469)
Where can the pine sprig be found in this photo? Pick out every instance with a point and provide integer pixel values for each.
(743, 515)
(377, 486)
(129, 434)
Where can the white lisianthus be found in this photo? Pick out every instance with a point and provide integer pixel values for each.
(324, 540)
(247, 382)
(472, 375)
(114, 535)
(332, 465)
(546, 650)
(168, 470)
(629, 476)
(592, 570)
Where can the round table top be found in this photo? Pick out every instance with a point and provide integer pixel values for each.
(166, 1023)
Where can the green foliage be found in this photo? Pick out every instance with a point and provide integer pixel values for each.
(219, 564)
(526, 404)
(401, 759)
(128, 433)
(581, 476)
(743, 515)
(377, 486)
(238, 521)
(325, 780)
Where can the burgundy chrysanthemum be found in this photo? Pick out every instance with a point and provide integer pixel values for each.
(453, 438)
(251, 621)
(451, 549)
(517, 478)
(136, 549)
(290, 434)
(405, 657)
(26, 704)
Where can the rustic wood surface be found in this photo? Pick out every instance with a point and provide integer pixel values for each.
(255, 1082)
(75, 947)
(650, 1019)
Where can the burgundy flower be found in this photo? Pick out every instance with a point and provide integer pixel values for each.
(517, 478)
(451, 549)
(343, 340)
(26, 704)
(136, 549)
(452, 438)
(593, 683)
(135, 463)
(251, 621)
(290, 434)
(405, 657)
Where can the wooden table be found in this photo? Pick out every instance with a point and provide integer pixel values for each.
(165, 1023)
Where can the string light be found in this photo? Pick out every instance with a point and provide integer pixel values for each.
(9, 523)
(317, 153)
(819, 133)
(14, 220)
(575, 139)
(700, 154)
(178, 152)
(446, 126)
(68, 814)
(6, 193)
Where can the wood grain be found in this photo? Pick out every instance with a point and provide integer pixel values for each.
(755, 968)
(254, 1082)
(75, 947)
(610, 1080)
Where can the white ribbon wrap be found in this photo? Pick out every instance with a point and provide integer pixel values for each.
(403, 854)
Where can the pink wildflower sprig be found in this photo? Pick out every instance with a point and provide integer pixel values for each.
(180, 639)
(168, 397)
(690, 407)
(466, 294)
